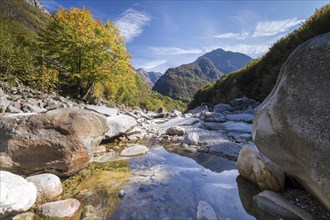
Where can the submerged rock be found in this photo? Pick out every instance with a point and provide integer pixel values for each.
(16, 194)
(134, 150)
(48, 186)
(257, 168)
(205, 211)
(279, 207)
(97, 187)
(63, 209)
(292, 125)
(60, 141)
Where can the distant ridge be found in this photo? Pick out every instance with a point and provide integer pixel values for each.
(183, 81)
(150, 78)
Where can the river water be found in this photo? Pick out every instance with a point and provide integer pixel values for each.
(165, 185)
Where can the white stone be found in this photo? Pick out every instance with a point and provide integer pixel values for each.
(103, 110)
(191, 139)
(119, 125)
(17, 195)
(48, 186)
(134, 150)
(59, 209)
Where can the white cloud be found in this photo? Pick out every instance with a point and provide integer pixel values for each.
(131, 23)
(237, 36)
(51, 5)
(271, 28)
(153, 64)
(173, 51)
(249, 49)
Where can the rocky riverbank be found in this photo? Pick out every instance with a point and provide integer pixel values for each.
(51, 134)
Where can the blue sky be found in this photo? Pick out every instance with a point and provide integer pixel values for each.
(164, 34)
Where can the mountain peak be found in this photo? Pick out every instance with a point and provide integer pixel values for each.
(149, 78)
(227, 61)
(38, 5)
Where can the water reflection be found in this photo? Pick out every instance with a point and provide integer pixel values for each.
(165, 185)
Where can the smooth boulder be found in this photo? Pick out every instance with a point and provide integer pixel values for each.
(257, 168)
(16, 194)
(119, 125)
(276, 205)
(292, 125)
(134, 150)
(63, 209)
(60, 141)
(48, 186)
(176, 130)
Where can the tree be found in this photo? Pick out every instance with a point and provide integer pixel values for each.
(89, 51)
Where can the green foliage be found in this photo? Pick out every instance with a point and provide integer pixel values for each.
(257, 79)
(17, 56)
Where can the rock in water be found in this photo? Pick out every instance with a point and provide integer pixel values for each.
(60, 141)
(279, 207)
(63, 209)
(205, 211)
(134, 150)
(257, 168)
(48, 186)
(16, 194)
(292, 125)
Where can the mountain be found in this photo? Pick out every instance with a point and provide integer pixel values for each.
(257, 78)
(150, 78)
(227, 61)
(182, 82)
(28, 14)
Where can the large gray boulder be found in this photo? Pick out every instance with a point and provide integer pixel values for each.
(60, 141)
(292, 125)
(16, 194)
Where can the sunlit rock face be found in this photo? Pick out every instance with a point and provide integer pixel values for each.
(292, 125)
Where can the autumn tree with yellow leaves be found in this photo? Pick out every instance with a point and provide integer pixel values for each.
(88, 51)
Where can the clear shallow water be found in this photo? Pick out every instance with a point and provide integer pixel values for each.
(166, 185)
